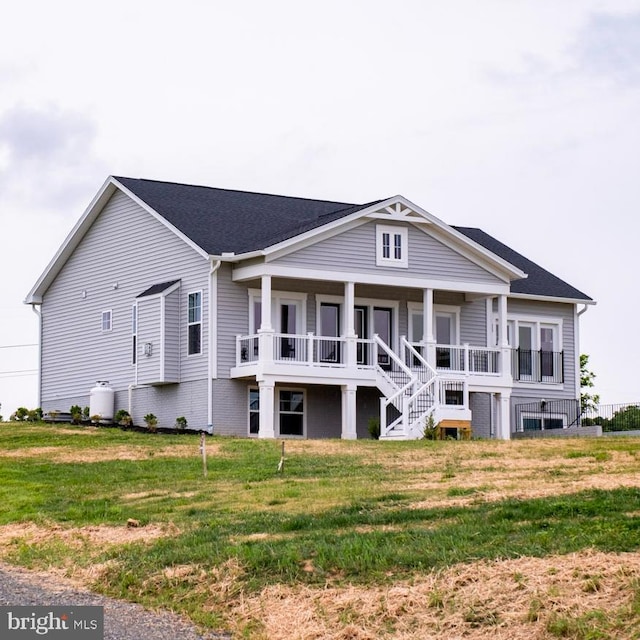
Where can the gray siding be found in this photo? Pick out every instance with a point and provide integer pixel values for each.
(480, 405)
(427, 257)
(171, 338)
(549, 311)
(149, 332)
(231, 407)
(233, 318)
(127, 247)
(168, 402)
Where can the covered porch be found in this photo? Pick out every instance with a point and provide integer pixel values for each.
(351, 339)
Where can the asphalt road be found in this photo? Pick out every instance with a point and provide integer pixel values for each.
(122, 620)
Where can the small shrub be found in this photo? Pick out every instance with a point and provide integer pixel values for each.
(76, 414)
(181, 423)
(123, 417)
(20, 415)
(374, 428)
(152, 422)
(95, 419)
(430, 429)
(85, 413)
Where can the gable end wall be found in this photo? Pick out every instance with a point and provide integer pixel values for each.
(124, 252)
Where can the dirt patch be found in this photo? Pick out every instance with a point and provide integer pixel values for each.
(99, 535)
(503, 600)
(159, 493)
(116, 452)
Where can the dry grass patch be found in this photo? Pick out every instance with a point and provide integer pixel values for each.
(503, 600)
(100, 535)
(111, 452)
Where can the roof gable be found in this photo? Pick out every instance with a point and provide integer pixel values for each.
(227, 221)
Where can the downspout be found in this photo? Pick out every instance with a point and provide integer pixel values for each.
(212, 365)
(38, 312)
(576, 334)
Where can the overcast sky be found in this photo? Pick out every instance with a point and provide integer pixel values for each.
(521, 117)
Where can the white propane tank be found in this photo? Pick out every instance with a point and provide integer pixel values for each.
(101, 401)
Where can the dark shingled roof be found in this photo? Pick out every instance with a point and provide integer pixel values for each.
(539, 282)
(225, 221)
(157, 288)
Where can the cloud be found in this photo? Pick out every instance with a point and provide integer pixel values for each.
(610, 45)
(47, 158)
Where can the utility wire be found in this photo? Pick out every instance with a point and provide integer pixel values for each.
(15, 346)
(22, 371)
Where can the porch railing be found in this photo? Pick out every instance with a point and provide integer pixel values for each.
(306, 349)
(329, 351)
(464, 358)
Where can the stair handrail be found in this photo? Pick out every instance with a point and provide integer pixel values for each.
(400, 390)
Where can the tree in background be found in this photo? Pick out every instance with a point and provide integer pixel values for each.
(587, 400)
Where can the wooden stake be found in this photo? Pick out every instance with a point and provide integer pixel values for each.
(203, 450)
(281, 463)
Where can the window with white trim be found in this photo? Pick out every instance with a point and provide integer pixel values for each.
(542, 422)
(254, 411)
(195, 323)
(537, 348)
(291, 412)
(107, 320)
(392, 246)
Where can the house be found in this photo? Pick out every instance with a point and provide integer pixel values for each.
(272, 316)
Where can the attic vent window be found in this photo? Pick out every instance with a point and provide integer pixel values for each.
(106, 320)
(391, 246)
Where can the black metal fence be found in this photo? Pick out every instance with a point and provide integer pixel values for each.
(543, 415)
(560, 414)
(613, 417)
(537, 366)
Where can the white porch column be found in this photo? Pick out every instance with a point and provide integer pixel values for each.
(349, 324)
(503, 432)
(265, 331)
(266, 304)
(505, 369)
(349, 412)
(266, 428)
(428, 336)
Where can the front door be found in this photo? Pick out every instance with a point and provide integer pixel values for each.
(446, 336)
(289, 322)
(525, 350)
(361, 326)
(329, 350)
(382, 318)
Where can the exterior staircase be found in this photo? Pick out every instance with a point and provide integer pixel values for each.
(409, 385)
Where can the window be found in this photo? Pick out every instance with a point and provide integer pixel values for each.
(391, 246)
(254, 412)
(291, 412)
(134, 334)
(536, 348)
(539, 422)
(195, 323)
(107, 320)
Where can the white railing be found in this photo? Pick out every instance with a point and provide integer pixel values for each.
(328, 351)
(464, 358)
(309, 349)
(247, 349)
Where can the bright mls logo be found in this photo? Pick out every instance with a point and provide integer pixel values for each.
(53, 623)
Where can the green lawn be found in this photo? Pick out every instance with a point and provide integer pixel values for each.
(358, 513)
